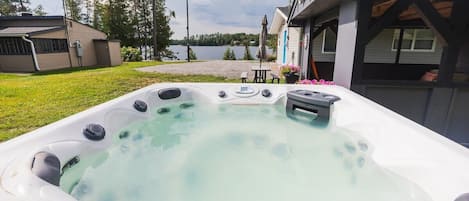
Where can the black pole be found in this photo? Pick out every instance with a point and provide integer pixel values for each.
(156, 55)
(399, 46)
(187, 39)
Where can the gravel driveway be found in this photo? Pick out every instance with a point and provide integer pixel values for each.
(229, 69)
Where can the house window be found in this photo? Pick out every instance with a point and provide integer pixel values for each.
(417, 40)
(44, 46)
(14, 46)
(329, 41)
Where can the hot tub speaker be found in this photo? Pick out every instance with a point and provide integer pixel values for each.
(47, 167)
(140, 106)
(169, 93)
(94, 132)
(310, 103)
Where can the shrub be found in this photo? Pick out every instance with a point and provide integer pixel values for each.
(247, 53)
(192, 55)
(229, 54)
(271, 58)
(131, 54)
(289, 69)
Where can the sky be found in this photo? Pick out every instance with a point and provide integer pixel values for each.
(205, 16)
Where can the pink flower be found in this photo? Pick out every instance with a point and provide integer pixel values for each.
(316, 82)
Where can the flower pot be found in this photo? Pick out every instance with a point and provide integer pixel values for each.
(291, 78)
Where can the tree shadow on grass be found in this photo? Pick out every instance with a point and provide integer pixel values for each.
(68, 70)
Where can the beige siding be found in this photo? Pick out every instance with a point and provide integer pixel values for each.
(292, 50)
(293, 45)
(53, 61)
(280, 40)
(16, 63)
(60, 34)
(115, 53)
(85, 35)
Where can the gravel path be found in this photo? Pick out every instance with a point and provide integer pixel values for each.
(229, 69)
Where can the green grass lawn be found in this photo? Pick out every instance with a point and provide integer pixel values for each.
(30, 101)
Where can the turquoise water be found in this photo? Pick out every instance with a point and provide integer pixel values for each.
(201, 152)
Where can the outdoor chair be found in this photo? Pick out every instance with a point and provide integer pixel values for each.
(244, 77)
(275, 77)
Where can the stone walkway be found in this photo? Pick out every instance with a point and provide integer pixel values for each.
(228, 69)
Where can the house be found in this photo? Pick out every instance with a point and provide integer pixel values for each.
(287, 37)
(41, 43)
(387, 49)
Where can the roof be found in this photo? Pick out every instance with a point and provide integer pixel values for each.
(285, 10)
(280, 17)
(31, 17)
(26, 31)
(312, 8)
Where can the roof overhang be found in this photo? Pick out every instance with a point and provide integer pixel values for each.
(277, 22)
(305, 10)
(12, 35)
(27, 31)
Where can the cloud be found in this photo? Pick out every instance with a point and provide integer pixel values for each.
(225, 16)
(206, 16)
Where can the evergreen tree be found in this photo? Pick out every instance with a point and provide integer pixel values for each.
(73, 9)
(192, 55)
(227, 54)
(14, 7)
(39, 11)
(163, 29)
(247, 53)
(120, 24)
(87, 16)
(232, 55)
(6, 8)
(272, 43)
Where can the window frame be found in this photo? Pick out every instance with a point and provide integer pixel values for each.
(50, 45)
(412, 46)
(324, 43)
(14, 46)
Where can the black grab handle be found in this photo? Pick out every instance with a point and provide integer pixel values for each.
(315, 103)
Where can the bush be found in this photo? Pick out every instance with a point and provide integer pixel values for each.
(229, 54)
(192, 55)
(271, 58)
(247, 53)
(131, 54)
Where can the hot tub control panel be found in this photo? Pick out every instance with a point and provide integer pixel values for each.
(310, 103)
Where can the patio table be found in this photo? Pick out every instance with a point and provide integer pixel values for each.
(260, 73)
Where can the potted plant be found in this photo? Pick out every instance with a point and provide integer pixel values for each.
(290, 72)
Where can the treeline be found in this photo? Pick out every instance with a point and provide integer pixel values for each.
(16, 7)
(219, 39)
(130, 21)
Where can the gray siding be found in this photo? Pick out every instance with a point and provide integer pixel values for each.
(317, 51)
(379, 50)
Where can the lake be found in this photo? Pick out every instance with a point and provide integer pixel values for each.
(213, 52)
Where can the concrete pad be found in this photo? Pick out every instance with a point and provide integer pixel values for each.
(223, 68)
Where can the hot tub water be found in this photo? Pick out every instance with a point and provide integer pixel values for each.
(201, 152)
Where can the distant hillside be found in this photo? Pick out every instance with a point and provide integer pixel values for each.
(219, 39)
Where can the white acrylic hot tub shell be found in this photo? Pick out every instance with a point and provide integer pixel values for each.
(437, 165)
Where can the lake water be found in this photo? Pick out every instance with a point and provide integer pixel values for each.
(213, 52)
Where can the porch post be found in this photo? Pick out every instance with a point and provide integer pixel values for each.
(305, 49)
(309, 71)
(346, 41)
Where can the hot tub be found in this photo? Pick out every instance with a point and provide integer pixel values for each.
(234, 142)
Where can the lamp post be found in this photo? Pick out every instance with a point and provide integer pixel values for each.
(187, 38)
